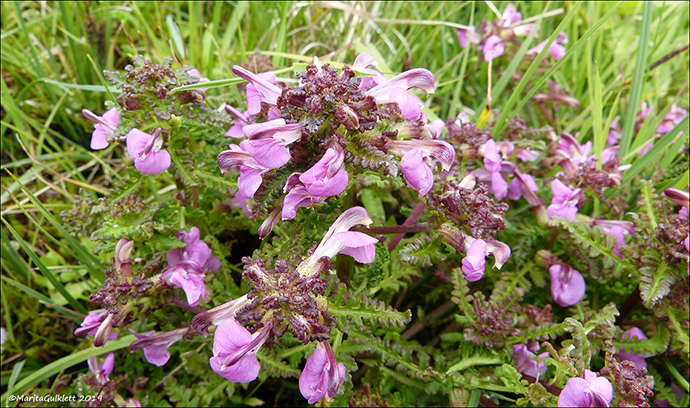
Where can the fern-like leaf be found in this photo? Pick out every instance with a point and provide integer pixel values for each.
(362, 312)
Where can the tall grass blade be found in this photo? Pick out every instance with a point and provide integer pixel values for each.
(599, 136)
(542, 80)
(64, 363)
(506, 110)
(660, 147)
(94, 265)
(639, 79)
(176, 36)
(45, 271)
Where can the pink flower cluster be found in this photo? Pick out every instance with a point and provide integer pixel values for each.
(494, 36)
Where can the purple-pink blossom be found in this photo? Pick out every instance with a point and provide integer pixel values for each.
(102, 372)
(417, 174)
(250, 173)
(195, 250)
(103, 128)
(322, 375)
(616, 228)
(340, 240)
(218, 315)
(520, 186)
(267, 141)
(466, 37)
(146, 150)
(567, 285)
(326, 178)
(623, 354)
(156, 346)
(523, 357)
(556, 49)
(671, 119)
(189, 276)
(187, 266)
(362, 63)
(570, 149)
(474, 262)
(494, 47)
(491, 173)
(234, 351)
(565, 200)
(260, 88)
(413, 152)
(98, 325)
(241, 121)
(592, 391)
(395, 90)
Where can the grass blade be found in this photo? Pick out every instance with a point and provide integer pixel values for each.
(94, 265)
(502, 119)
(45, 271)
(659, 148)
(66, 362)
(176, 36)
(500, 124)
(639, 79)
(599, 136)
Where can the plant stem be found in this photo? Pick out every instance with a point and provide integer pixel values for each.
(394, 229)
(629, 304)
(411, 219)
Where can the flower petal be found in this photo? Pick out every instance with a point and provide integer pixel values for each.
(575, 394)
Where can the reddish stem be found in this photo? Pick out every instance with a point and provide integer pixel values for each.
(410, 220)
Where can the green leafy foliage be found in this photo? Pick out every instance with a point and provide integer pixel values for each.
(361, 312)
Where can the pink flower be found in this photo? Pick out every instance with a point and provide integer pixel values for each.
(234, 351)
(510, 17)
(195, 250)
(556, 49)
(592, 391)
(466, 37)
(672, 118)
(102, 371)
(570, 149)
(250, 173)
(527, 155)
(92, 325)
(103, 128)
(413, 152)
(326, 178)
(362, 63)
(491, 174)
(616, 228)
(260, 88)
(523, 356)
(267, 141)
(473, 264)
(494, 47)
(567, 285)
(340, 240)
(156, 346)
(638, 360)
(218, 315)
(240, 122)
(565, 200)
(146, 151)
(322, 375)
(522, 185)
(189, 276)
(417, 174)
(395, 90)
